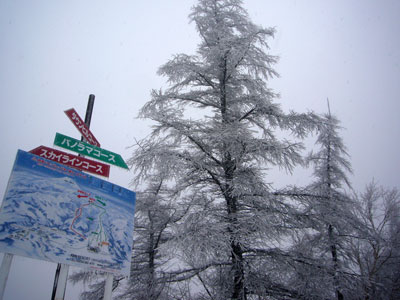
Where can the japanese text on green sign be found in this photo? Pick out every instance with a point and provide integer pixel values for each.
(86, 149)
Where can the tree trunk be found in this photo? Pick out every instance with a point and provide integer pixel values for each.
(236, 252)
(237, 263)
(151, 257)
(229, 167)
(339, 295)
(236, 249)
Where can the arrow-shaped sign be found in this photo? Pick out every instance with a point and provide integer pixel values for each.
(83, 148)
(82, 127)
(73, 161)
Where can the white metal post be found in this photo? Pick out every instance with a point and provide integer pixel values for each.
(4, 270)
(108, 287)
(62, 282)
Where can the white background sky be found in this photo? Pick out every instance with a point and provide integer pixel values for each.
(53, 54)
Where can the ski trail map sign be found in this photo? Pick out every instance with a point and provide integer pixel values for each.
(59, 214)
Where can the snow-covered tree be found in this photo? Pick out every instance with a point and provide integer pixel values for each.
(156, 211)
(215, 134)
(95, 283)
(330, 205)
(377, 254)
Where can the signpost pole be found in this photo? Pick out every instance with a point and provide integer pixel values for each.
(61, 276)
(89, 110)
(62, 282)
(56, 276)
(4, 270)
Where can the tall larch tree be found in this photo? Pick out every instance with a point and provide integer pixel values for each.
(215, 134)
(331, 205)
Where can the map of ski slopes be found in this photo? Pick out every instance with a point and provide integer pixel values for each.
(59, 214)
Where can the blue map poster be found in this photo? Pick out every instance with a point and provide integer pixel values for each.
(55, 213)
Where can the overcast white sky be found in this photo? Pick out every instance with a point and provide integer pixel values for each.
(53, 54)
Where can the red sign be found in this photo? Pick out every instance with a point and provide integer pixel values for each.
(81, 126)
(73, 161)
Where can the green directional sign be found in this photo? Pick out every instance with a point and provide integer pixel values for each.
(86, 149)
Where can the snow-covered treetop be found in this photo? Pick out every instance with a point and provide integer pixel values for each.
(331, 161)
